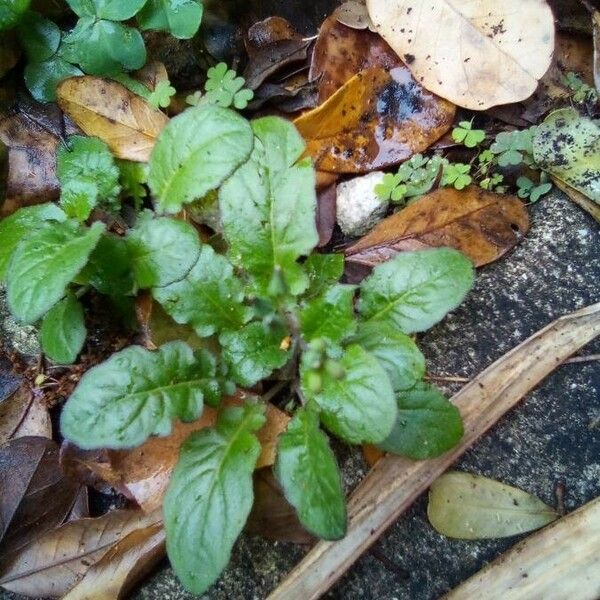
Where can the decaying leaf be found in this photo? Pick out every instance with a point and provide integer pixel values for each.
(354, 14)
(13, 409)
(56, 561)
(476, 54)
(481, 224)
(31, 484)
(341, 52)
(108, 110)
(377, 119)
(567, 145)
(36, 421)
(472, 507)
(152, 74)
(127, 562)
(578, 198)
(269, 31)
(326, 214)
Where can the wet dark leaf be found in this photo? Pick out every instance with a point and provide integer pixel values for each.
(326, 214)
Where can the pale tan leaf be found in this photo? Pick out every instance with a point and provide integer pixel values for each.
(557, 563)
(472, 507)
(36, 422)
(108, 110)
(54, 563)
(477, 54)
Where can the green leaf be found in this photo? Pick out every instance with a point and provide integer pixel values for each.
(427, 424)
(14, 228)
(195, 153)
(210, 496)
(330, 315)
(567, 145)
(323, 271)
(398, 354)
(268, 208)
(44, 264)
(137, 393)
(224, 88)
(356, 404)
(309, 475)
(42, 78)
(133, 176)
(254, 352)
(63, 331)
(179, 17)
(415, 290)
(472, 507)
(87, 169)
(467, 136)
(11, 12)
(163, 250)
(114, 10)
(162, 94)
(209, 298)
(39, 37)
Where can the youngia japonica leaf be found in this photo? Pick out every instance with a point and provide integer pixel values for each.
(209, 298)
(308, 472)
(43, 265)
(195, 153)
(179, 17)
(357, 404)
(137, 393)
(323, 271)
(415, 290)
(268, 207)
(63, 331)
(163, 250)
(427, 424)
(210, 496)
(14, 228)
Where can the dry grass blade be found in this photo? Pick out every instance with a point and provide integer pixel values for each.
(395, 483)
(561, 561)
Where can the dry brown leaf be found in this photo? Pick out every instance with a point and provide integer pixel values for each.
(377, 119)
(477, 54)
(36, 421)
(481, 224)
(12, 412)
(55, 562)
(372, 454)
(108, 110)
(126, 563)
(341, 52)
(326, 214)
(152, 74)
(269, 31)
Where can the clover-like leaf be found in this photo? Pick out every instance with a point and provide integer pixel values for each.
(11, 12)
(210, 496)
(457, 175)
(181, 18)
(467, 136)
(42, 78)
(162, 94)
(415, 290)
(308, 472)
(114, 10)
(136, 393)
(39, 37)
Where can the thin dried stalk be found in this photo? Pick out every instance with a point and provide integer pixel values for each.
(395, 483)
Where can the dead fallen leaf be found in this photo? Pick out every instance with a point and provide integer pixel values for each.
(341, 52)
(476, 54)
(269, 31)
(596, 28)
(377, 119)
(481, 224)
(36, 421)
(372, 454)
(326, 214)
(354, 14)
(152, 74)
(81, 506)
(13, 409)
(108, 110)
(90, 467)
(56, 561)
(126, 563)
(35, 496)
(471, 507)
(578, 198)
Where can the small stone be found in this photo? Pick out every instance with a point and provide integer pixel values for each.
(359, 208)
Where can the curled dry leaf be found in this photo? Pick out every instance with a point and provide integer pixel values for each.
(377, 119)
(56, 561)
(476, 54)
(108, 110)
(341, 52)
(481, 224)
(13, 409)
(471, 507)
(36, 421)
(31, 484)
(269, 31)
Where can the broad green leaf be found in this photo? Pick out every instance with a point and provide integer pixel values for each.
(359, 404)
(21, 223)
(427, 424)
(323, 271)
(209, 298)
(11, 12)
(398, 354)
(42, 78)
(63, 331)
(137, 393)
(254, 352)
(179, 17)
(39, 37)
(268, 209)
(210, 496)
(567, 145)
(44, 264)
(195, 153)
(330, 315)
(163, 250)
(78, 198)
(114, 10)
(472, 507)
(415, 290)
(309, 475)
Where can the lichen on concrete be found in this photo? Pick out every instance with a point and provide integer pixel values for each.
(14, 335)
